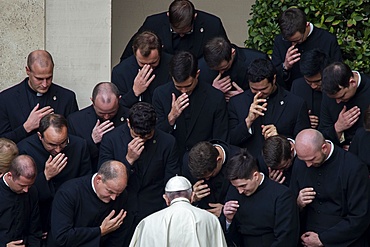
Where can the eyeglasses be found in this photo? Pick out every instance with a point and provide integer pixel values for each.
(53, 146)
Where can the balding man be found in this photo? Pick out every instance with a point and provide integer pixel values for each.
(19, 211)
(23, 105)
(332, 190)
(89, 211)
(92, 122)
(59, 157)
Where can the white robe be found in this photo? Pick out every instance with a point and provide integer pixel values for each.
(181, 224)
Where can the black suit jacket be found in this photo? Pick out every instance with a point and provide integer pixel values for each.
(15, 108)
(148, 175)
(319, 38)
(78, 164)
(330, 110)
(312, 97)
(82, 123)
(123, 75)
(206, 26)
(238, 70)
(290, 116)
(208, 116)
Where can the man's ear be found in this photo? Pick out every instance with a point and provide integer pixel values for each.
(167, 200)
(198, 72)
(28, 71)
(39, 135)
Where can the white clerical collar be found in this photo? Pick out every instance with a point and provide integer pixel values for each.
(359, 77)
(92, 182)
(4, 179)
(179, 199)
(331, 149)
(311, 29)
(223, 151)
(292, 141)
(263, 178)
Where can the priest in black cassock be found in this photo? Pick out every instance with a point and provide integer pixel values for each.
(332, 190)
(19, 211)
(90, 211)
(59, 157)
(258, 211)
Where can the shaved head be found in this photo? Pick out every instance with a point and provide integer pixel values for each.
(309, 139)
(311, 147)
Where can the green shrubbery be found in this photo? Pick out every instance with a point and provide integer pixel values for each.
(348, 19)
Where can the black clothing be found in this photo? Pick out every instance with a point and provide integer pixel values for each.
(205, 27)
(78, 213)
(285, 110)
(82, 123)
(206, 120)
(238, 70)
(330, 111)
(78, 165)
(15, 107)
(19, 216)
(268, 217)
(319, 38)
(339, 214)
(123, 76)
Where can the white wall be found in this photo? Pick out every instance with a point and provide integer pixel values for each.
(78, 35)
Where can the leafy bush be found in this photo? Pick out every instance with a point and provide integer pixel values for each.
(347, 19)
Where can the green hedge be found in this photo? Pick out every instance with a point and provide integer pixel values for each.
(348, 19)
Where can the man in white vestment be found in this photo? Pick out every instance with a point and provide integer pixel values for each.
(181, 224)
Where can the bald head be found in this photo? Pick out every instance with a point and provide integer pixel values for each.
(105, 98)
(311, 147)
(309, 139)
(111, 180)
(23, 165)
(113, 170)
(40, 58)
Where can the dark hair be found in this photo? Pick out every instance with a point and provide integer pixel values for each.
(275, 150)
(105, 88)
(291, 21)
(241, 166)
(202, 159)
(181, 14)
(109, 170)
(335, 75)
(57, 121)
(261, 69)
(313, 62)
(23, 165)
(183, 65)
(367, 119)
(216, 51)
(146, 42)
(142, 118)
(42, 57)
